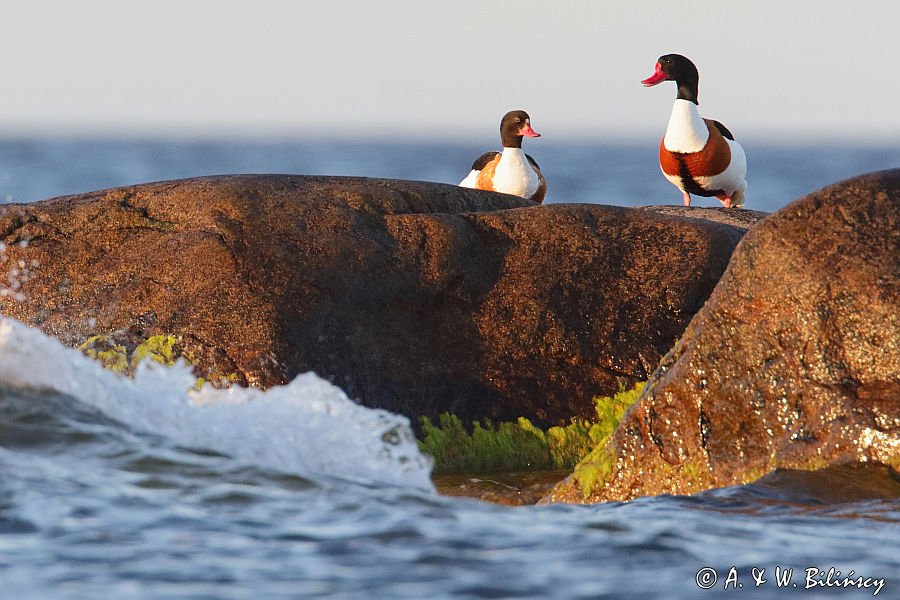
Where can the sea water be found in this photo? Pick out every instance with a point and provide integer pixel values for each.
(623, 174)
(147, 488)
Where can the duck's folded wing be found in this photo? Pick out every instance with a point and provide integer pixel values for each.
(471, 179)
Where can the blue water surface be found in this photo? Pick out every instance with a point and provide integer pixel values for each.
(91, 509)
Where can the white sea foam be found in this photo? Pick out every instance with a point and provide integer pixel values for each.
(308, 427)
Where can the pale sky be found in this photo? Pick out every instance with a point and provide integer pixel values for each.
(781, 70)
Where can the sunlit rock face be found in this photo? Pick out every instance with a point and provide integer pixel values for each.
(416, 297)
(794, 362)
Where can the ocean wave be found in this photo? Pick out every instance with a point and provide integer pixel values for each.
(308, 427)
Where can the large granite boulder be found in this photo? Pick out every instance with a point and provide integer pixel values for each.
(794, 362)
(415, 297)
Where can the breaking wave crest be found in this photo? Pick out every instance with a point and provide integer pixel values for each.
(308, 427)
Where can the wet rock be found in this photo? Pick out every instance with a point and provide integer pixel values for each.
(509, 489)
(415, 297)
(794, 362)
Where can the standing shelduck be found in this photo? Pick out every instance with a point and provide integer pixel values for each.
(511, 171)
(699, 156)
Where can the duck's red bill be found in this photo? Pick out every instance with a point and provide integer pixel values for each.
(657, 77)
(528, 131)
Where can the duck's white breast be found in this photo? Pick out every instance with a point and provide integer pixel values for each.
(515, 175)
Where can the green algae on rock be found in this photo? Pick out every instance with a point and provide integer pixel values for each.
(109, 353)
(115, 356)
(520, 445)
(793, 363)
(165, 349)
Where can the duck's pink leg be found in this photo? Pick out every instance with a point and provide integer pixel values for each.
(725, 200)
(687, 199)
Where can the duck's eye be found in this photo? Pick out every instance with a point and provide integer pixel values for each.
(518, 120)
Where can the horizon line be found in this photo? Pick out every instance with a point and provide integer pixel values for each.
(405, 135)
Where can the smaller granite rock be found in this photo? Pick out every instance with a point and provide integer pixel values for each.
(793, 363)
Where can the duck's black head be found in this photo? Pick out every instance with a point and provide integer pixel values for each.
(680, 69)
(514, 125)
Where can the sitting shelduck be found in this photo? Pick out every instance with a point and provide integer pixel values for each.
(511, 171)
(699, 156)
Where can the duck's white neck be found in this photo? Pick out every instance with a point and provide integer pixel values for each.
(687, 131)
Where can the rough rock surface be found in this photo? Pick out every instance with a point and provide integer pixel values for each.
(794, 362)
(415, 297)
